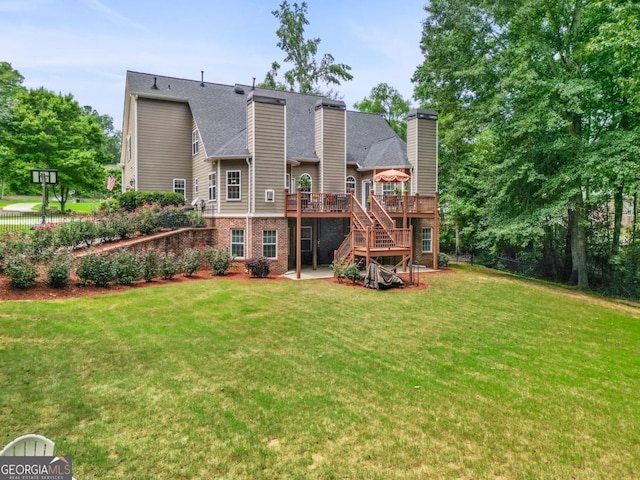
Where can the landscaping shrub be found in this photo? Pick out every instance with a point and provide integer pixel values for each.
(352, 273)
(338, 270)
(96, 268)
(127, 267)
(112, 205)
(258, 266)
(59, 269)
(196, 219)
(21, 270)
(443, 260)
(76, 233)
(133, 200)
(219, 259)
(117, 226)
(42, 240)
(173, 217)
(151, 264)
(191, 260)
(12, 244)
(146, 219)
(169, 265)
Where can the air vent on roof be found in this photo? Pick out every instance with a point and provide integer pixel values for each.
(202, 78)
(155, 83)
(239, 90)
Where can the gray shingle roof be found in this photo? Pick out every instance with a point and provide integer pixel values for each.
(220, 112)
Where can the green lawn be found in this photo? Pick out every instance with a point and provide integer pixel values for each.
(480, 376)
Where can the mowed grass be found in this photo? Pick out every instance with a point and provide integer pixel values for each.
(480, 376)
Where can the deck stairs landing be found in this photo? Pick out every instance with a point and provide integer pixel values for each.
(373, 234)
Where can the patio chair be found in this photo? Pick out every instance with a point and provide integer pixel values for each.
(30, 445)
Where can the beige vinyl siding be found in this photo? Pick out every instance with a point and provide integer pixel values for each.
(164, 145)
(201, 170)
(233, 206)
(268, 156)
(332, 149)
(427, 148)
(412, 153)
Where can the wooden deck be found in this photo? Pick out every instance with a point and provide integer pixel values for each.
(340, 205)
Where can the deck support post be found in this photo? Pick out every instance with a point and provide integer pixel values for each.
(298, 233)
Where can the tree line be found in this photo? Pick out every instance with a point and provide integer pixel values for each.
(40, 129)
(539, 133)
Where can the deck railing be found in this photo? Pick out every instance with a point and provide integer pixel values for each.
(381, 239)
(341, 203)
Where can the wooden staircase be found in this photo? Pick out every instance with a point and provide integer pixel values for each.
(374, 234)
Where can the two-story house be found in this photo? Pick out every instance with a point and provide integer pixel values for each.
(285, 175)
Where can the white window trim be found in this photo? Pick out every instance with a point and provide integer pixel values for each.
(347, 182)
(184, 182)
(274, 244)
(232, 243)
(422, 238)
(239, 172)
(310, 181)
(269, 196)
(195, 142)
(212, 187)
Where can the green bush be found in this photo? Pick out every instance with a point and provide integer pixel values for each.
(219, 259)
(21, 270)
(258, 266)
(352, 273)
(443, 260)
(151, 264)
(173, 217)
(96, 268)
(133, 200)
(191, 260)
(338, 270)
(42, 239)
(76, 233)
(59, 269)
(111, 205)
(146, 219)
(196, 219)
(117, 226)
(127, 267)
(13, 244)
(169, 265)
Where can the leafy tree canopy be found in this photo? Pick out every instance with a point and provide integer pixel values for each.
(307, 74)
(388, 102)
(53, 131)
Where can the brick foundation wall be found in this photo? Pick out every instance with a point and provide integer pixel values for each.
(253, 239)
(174, 241)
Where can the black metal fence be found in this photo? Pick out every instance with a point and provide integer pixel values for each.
(20, 222)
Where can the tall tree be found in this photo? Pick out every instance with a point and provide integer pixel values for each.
(52, 131)
(307, 74)
(388, 102)
(530, 73)
(10, 86)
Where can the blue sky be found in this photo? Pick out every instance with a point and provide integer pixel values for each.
(85, 47)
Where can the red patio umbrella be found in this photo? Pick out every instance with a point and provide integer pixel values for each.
(391, 176)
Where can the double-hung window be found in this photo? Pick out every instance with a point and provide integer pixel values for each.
(233, 185)
(305, 239)
(212, 187)
(269, 243)
(180, 186)
(195, 142)
(427, 240)
(237, 242)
